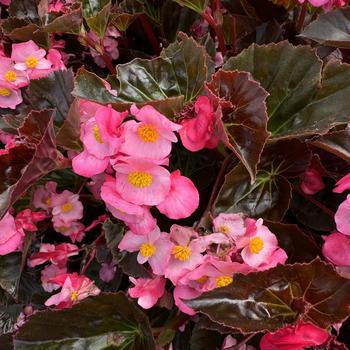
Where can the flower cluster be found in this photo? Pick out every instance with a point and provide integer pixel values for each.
(196, 264)
(327, 5)
(27, 62)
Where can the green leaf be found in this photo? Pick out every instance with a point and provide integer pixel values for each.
(203, 339)
(99, 20)
(53, 91)
(195, 5)
(269, 299)
(330, 29)
(10, 272)
(302, 101)
(269, 195)
(108, 321)
(244, 114)
(123, 20)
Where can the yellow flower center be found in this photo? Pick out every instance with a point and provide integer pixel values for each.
(49, 201)
(147, 133)
(10, 76)
(74, 296)
(97, 135)
(202, 279)
(5, 92)
(67, 207)
(147, 250)
(32, 62)
(224, 229)
(181, 253)
(256, 244)
(63, 229)
(223, 281)
(140, 179)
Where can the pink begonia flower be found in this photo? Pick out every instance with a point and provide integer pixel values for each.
(87, 109)
(74, 289)
(154, 248)
(186, 252)
(232, 225)
(343, 184)
(49, 272)
(9, 74)
(311, 182)
(142, 182)
(183, 292)
(95, 185)
(342, 216)
(147, 290)
(5, 2)
(336, 249)
(296, 337)
(29, 57)
(198, 133)
(11, 238)
(55, 57)
(151, 137)
(66, 207)
(327, 5)
(230, 343)
(42, 197)
(56, 254)
(9, 97)
(107, 272)
(87, 165)
(74, 230)
(26, 219)
(182, 199)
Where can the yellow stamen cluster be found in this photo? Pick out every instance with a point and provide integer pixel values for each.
(181, 253)
(224, 229)
(10, 76)
(140, 179)
(31, 62)
(147, 250)
(67, 207)
(147, 133)
(256, 244)
(5, 92)
(49, 201)
(74, 296)
(202, 279)
(97, 134)
(223, 281)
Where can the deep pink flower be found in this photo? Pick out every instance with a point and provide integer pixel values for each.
(11, 237)
(5, 2)
(151, 137)
(54, 56)
(184, 292)
(342, 217)
(66, 207)
(296, 337)
(154, 248)
(142, 182)
(26, 219)
(336, 249)
(56, 254)
(107, 272)
(9, 97)
(343, 184)
(74, 289)
(182, 199)
(9, 74)
(198, 133)
(147, 290)
(87, 165)
(311, 182)
(88, 109)
(327, 5)
(49, 272)
(42, 197)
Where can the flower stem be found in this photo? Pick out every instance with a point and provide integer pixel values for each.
(217, 29)
(301, 20)
(150, 34)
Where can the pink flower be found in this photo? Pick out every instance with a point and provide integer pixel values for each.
(342, 216)
(230, 342)
(107, 272)
(43, 195)
(66, 207)
(148, 291)
(327, 5)
(311, 182)
(49, 272)
(336, 249)
(54, 56)
(30, 58)
(183, 292)
(88, 109)
(153, 248)
(142, 182)
(87, 165)
(9, 97)
(151, 137)
(9, 74)
(343, 184)
(26, 219)
(186, 252)
(182, 199)
(296, 337)
(11, 237)
(75, 230)
(74, 289)
(198, 133)
(5, 2)
(56, 254)
(232, 225)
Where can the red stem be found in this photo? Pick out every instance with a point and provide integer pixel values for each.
(150, 34)
(301, 19)
(234, 36)
(92, 256)
(217, 29)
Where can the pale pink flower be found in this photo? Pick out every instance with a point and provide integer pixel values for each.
(229, 343)
(9, 97)
(343, 184)
(311, 182)
(147, 291)
(87, 165)
(11, 237)
(153, 247)
(74, 230)
(151, 137)
(342, 217)
(232, 225)
(198, 132)
(30, 58)
(142, 182)
(184, 292)
(66, 207)
(107, 272)
(26, 219)
(49, 272)
(186, 252)
(295, 337)
(336, 249)
(56, 254)
(9, 74)
(42, 197)
(182, 199)
(74, 289)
